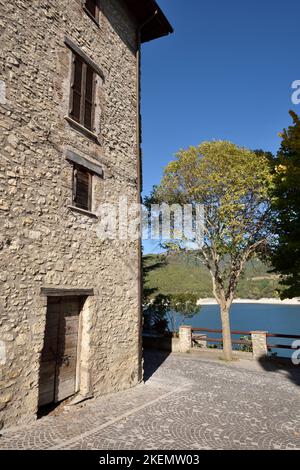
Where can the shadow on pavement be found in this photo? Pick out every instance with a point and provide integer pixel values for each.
(282, 365)
(152, 361)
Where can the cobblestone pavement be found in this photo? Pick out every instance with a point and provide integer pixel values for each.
(186, 403)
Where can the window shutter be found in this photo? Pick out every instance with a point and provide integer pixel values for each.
(82, 189)
(89, 95)
(82, 96)
(77, 88)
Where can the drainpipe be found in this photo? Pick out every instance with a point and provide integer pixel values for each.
(139, 185)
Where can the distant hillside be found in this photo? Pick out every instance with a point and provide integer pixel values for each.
(185, 274)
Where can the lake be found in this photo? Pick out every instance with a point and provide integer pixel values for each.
(247, 317)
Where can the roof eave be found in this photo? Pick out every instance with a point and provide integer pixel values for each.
(151, 17)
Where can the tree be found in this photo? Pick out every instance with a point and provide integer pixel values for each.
(155, 313)
(233, 184)
(181, 308)
(162, 312)
(286, 254)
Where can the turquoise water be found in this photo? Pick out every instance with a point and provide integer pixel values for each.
(246, 317)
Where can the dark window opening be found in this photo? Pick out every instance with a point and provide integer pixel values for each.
(82, 188)
(82, 93)
(92, 7)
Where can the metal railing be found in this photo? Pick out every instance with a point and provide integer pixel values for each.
(270, 346)
(220, 340)
(283, 336)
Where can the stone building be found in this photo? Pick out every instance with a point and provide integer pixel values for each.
(69, 141)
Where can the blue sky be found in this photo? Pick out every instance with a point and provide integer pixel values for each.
(225, 73)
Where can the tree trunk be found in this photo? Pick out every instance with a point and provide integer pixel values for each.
(226, 332)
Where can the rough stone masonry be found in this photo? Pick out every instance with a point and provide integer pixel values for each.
(46, 243)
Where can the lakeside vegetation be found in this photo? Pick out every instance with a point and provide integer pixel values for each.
(184, 274)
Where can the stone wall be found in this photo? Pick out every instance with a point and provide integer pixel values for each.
(44, 243)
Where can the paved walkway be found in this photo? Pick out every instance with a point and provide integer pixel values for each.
(187, 403)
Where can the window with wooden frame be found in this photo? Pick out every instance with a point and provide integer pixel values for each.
(92, 8)
(82, 100)
(82, 188)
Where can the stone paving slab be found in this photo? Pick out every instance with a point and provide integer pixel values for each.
(186, 403)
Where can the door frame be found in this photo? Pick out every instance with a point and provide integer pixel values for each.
(67, 292)
(79, 348)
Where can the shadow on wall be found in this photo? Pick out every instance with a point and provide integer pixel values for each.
(116, 20)
(282, 366)
(51, 360)
(153, 361)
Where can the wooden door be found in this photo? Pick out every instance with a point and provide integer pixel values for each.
(59, 355)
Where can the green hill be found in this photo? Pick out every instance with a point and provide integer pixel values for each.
(185, 274)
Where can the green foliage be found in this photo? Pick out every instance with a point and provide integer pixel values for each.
(166, 312)
(185, 274)
(182, 307)
(232, 183)
(246, 347)
(155, 314)
(286, 203)
(184, 304)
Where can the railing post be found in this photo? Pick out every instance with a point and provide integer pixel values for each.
(259, 344)
(185, 338)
